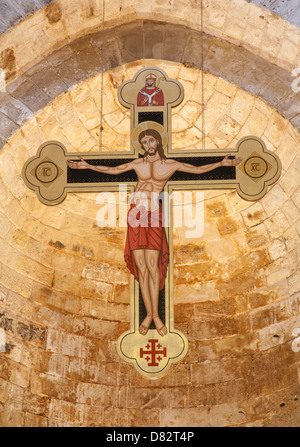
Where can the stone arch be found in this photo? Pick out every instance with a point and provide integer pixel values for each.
(81, 59)
(63, 286)
(65, 296)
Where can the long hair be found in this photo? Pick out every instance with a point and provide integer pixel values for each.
(155, 134)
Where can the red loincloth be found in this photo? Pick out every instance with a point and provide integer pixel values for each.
(142, 235)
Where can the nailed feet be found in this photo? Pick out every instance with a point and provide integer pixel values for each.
(160, 327)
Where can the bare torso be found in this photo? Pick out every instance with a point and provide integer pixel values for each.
(153, 172)
(152, 177)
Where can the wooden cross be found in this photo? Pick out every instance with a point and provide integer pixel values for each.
(150, 95)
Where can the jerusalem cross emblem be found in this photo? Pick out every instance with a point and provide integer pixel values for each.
(154, 352)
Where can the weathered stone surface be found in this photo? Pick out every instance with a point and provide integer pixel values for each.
(154, 40)
(285, 8)
(32, 333)
(64, 297)
(131, 39)
(81, 59)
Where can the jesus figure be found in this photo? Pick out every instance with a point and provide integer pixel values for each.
(146, 251)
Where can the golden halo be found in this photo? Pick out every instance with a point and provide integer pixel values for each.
(146, 125)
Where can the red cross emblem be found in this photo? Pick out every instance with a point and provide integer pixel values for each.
(154, 355)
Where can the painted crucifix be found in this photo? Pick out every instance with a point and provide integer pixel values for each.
(146, 250)
(150, 168)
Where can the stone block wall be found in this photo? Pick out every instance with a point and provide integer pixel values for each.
(64, 288)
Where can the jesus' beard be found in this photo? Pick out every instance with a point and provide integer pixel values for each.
(148, 154)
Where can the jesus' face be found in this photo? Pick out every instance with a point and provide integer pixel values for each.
(150, 144)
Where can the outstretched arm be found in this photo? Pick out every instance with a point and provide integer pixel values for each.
(185, 167)
(82, 164)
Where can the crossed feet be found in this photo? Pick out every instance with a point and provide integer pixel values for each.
(160, 327)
